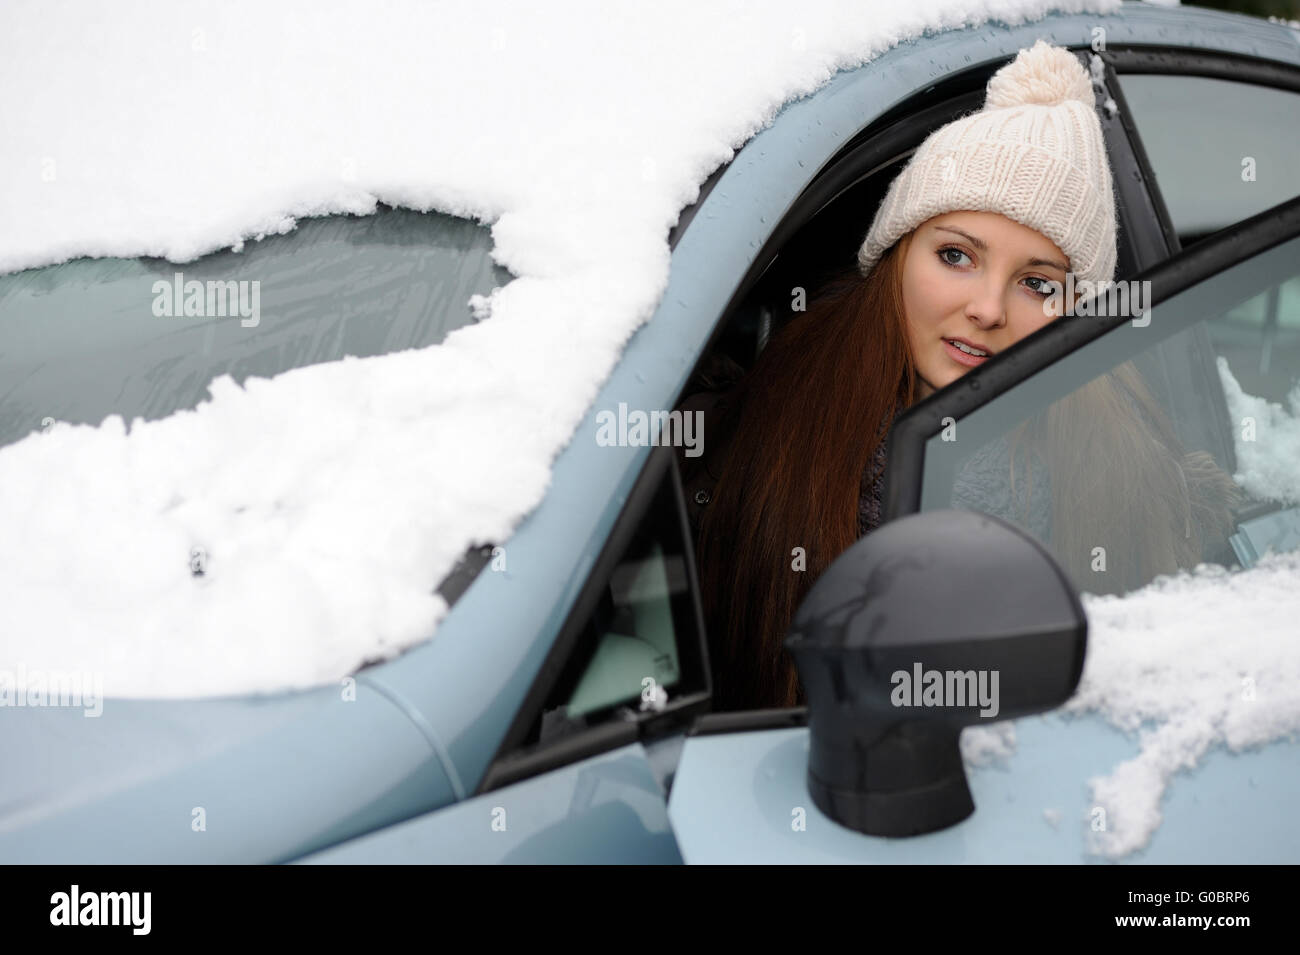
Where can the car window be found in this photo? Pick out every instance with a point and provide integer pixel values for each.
(1155, 446)
(636, 645)
(1221, 150)
(630, 661)
(639, 647)
(145, 337)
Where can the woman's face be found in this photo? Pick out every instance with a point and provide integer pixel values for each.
(975, 281)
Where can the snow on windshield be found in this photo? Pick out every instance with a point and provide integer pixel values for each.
(329, 501)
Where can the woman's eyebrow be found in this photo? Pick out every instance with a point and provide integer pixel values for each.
(983, 247)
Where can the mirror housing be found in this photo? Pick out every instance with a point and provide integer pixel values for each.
(931, 623)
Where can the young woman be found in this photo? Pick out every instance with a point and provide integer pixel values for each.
(967, 255)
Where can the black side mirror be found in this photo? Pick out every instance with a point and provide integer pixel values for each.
(930, 623)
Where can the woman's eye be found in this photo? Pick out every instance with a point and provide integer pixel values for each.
(1045, 287)
(950, 250)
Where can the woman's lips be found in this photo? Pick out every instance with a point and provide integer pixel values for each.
(961, 357)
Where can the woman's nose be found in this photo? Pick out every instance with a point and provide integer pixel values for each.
(986, 309)
(987, 313)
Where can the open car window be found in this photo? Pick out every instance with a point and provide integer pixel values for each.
(1169, 439)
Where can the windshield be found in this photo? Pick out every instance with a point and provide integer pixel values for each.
(144, 337)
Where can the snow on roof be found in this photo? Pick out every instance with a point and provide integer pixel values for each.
(332, 499)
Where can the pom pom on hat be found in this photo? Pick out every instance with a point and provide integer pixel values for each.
(1042, 75)
(1034, 154)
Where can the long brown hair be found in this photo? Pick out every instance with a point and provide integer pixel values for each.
(790, 483)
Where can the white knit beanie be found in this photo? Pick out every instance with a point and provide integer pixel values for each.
(1034, 153)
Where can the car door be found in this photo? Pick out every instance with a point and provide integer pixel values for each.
(1208, 778)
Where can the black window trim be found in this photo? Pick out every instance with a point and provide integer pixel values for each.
(1213, 64)
(1151, 234)
(1028, 357)
(511, 763)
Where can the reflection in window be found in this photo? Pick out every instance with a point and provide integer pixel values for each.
(1102, 477)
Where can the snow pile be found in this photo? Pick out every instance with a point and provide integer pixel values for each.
(331, 500)
(1267, 441)
(1188, 662)
(988, 745)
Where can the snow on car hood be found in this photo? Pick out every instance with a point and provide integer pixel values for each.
(1188, 663)
(332, 499)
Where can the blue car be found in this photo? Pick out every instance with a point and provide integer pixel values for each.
(562, 711)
